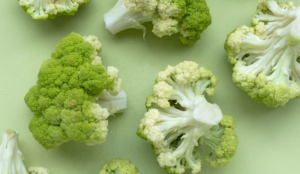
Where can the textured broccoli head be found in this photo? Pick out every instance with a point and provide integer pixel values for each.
(49, 9)
(189, 18)
(119, 166)
(265, 56)
(74, 94)
(179, 116)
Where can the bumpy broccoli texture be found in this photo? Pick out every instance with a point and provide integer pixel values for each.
(74, 94)
(189, 18)
(119, 166)
(265, 56)
(179, 119)
(49, 9)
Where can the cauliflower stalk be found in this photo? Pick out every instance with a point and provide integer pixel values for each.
(186, 17)
(11, 159)
(179, 118)
(265, 56)
(49, 9)
(74, 95)
(119, 166)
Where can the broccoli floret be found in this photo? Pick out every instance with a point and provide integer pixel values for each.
(119, 166)
(49, 9)
(74, 95)
(265, 56)
(189, 18)
(179, 118)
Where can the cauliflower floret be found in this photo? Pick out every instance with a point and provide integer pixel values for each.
(147, 7)
(264, 57)
(163, 27)
(185, 117)
(162, 92)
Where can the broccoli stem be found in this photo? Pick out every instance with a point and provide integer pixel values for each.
(119, 18)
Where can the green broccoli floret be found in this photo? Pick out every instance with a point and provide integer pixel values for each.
(265, 56)
(119, 166)
(74, 94)
(179, 118)
(49, 9)
(189, 18)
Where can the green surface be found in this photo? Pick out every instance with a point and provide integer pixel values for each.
(268, 137)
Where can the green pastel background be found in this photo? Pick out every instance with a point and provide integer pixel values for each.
(269, 142)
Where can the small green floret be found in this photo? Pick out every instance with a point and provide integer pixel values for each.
(119, 166)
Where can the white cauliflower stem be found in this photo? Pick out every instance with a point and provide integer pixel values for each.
(10, 155)
(179, 115)
(120, 18)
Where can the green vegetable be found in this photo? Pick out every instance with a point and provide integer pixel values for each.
(49, 9)
(11, 159)
(265, 56)
(179, 118)
(189, 18)
(119, 166)
(74, 94)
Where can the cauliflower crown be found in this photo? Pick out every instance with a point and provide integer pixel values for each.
(179, 118)
(265, 56)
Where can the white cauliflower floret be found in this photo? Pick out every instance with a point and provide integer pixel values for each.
(66, 6)
(167, 8)
(147, 7)
(235, 39)
(100, 113)
(187, 71)
(114, 74)
(163, 27)
(97, 61)
(163, 75)
(264, 56)
(260, 29)
(162, 92)
(166, 159)
(94, 41)
(179, 115)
